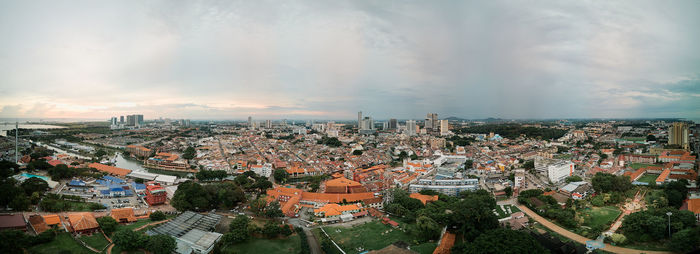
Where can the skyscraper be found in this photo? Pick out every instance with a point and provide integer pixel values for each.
(113, 121)
(268, 124)
(678, 134)
(139, 120)
(444, 127)
(131, 120)
(431, 122)
(121, 119)
(411, 127)
(250, 121)
(393, 124)
(359, 120)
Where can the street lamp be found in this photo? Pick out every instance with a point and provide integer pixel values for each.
(669, 224)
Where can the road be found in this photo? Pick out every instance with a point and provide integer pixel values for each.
(578, 238)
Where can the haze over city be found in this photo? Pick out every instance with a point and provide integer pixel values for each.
(330, 59)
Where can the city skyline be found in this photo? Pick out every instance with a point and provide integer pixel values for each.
(313, 60)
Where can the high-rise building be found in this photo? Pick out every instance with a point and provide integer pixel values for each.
(431, 122)
(139, 120)
(121, 119)
(359, 120)
(250, 121)
(367, 123)
(131, 120)
(444, 127)
(113, 121)
(411, 127)
(678, 134)
(268, 124)
(393, 124)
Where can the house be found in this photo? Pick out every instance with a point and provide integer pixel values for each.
(343, 185)
(336, 210)
(517, 221)
(155, 194)
(12, 221)
(83, 223)
(390, 222)
(577, 190)
(376, 202)
(123, 215)
(693, 205)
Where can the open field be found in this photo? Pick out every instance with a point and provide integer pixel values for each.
(291, 244)
(648, 178)
(373, 236)
(134, 225)
(62, 244)
(96, 240)
(599, 215)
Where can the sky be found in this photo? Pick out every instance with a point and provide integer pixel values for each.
(329, 59)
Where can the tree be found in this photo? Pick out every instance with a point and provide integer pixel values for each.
(189, 153)
(529, 165)
(238, 230)
(257, 206)
(157, 216)
(468, 164)
(357, 152)
(190, 196)
(8, 168)
(61, 171)
(604, 182)
(128, 240)
(107, 224)
(499, 241)
(161, 244)
(271, 229)
(33, 185)
(272, 210)
(651, 137)
(573, 179)
(100, 153)
(280, 175)
(427, 228)
(643, 226)
(285, 230)
(676, 192)
(509, 191)
(473, 214)
(13, 241)
(686, 240)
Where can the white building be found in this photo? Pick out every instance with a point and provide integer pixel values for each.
(411, 127)
(444, 127)
(558, 171)
(262, 170)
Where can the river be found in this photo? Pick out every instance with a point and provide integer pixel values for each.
(121, 162)
(4, 127)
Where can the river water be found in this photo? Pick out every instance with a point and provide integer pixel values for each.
(4, 127)
(131, 164)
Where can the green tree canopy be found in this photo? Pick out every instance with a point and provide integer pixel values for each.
(502, 241)
(107, 224)
(157, 216)
(161, 244)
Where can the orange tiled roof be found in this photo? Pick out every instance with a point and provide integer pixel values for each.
(110, 169)
(446, 243)
(342, 182)
(82, 221)
(335, 209)
(424, 198)
(662, 177)
(123, 213)
(694, 205)
(51, 219)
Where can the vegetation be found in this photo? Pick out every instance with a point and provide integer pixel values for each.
(513, 131)
(332, 141)
(604, 182)
(14, 241)
(107, 224)
(189, 153)
(157, 216)
(573, 179)
(280, 175)
(56, 203)
(676, 192)
(370, 236)
(209, 175)
(197, 197)
(652, 224)
(508, 241)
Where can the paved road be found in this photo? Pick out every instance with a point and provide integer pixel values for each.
(578, 238)
(313, 242)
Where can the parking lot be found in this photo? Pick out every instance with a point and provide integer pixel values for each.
(120, 202)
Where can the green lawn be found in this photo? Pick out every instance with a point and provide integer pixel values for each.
(291, 244)
(96, 240)
(134, 225)
(648, 178)
(640, 165)
(373, 236)
(503, 213)
(599, 215)
(62, 244)
(117, 250)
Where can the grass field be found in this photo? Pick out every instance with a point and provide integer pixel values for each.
(97, 241)
(62, 244)
(291, 244)
(503, 213)
(640, 165)
(373, 236)
(648, 178)
(117, 250)
(134, 225)
(599, 215)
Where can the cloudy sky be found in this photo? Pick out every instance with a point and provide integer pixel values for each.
(330, 59)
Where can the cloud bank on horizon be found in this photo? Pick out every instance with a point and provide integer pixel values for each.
(330, 59)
